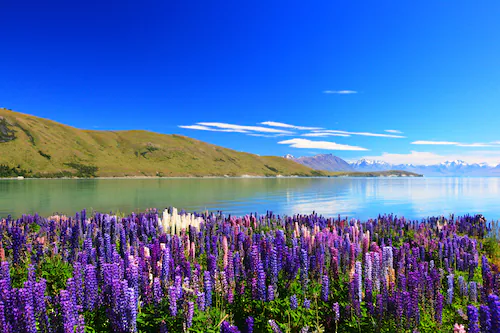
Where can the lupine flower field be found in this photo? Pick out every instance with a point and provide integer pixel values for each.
(180, 272)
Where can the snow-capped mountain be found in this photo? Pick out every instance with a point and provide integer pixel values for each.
(370, 165)
(449, 168)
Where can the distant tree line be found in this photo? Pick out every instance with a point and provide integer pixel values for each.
(81, 170)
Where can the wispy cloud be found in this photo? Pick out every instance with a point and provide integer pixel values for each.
(382, 135)
(327, 145)
(267, 135)
(428, 158)
(458, 144)
(393, 131)
(340, 92)
(205, 128)
(277, 124)
(241, 128)
(324, 134)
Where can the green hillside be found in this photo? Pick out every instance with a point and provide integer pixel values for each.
(40, 147)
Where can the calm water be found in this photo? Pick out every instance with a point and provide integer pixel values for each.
(354, 197)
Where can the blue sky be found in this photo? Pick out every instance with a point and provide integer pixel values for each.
(428, 69)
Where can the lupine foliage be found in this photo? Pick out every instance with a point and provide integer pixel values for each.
(171, 272)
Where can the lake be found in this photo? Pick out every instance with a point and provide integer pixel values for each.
(353, 197)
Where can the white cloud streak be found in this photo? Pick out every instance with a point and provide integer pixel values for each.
(322, 134)
(205, 128)
(340, 92)
(267, 135)
(245, 128)
(393, 131)
(327, 145)
(277, 124)
(458, 144)
(382, 135)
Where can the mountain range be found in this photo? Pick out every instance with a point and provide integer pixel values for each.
(449, 168)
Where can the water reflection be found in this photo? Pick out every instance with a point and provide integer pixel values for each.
(354, 197)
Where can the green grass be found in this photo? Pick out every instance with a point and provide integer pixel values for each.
(51, 148)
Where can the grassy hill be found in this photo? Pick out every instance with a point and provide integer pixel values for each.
(51, 149)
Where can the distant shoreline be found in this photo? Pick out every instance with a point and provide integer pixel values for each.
(219, 177)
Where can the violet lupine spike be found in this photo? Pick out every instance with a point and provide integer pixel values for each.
(172, 298)
(494, 307)
(132, 309)
(157, 291)
(472, 315)
(450, 289)
(274, 326)
(336, 311)
(270, 293)
(438, 316)
(325, 290)
(294, 304)
(189, 315)
(68, 311)
(200, 300)
(91, 291)
(250, 323)
(484, 318)
(208, 288)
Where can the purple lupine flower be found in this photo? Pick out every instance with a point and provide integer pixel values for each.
(294, 302)
(270, 293)
(90, 299)
(80, 326)
(77, 280)
(358, 271)
(68, 311)
(157, 290)
(165, 266)
(304, 267)
(225, 327)
(472, 315)
(485, 319)
(355, 293)
(29, 317)
(200, 300)
(494, 305)
(438, 316)
(325, 290)
(250, 322)
(336, 311)
(274, 326)
(473, 291)
(462, 286)
(208, 288)
(189, 315)
(307, 303)
(261, 281)
(4, 324)
(379, 307)
(369, 297)
(450, 289)
(274, 265)
(132, 309)
(172, 298)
